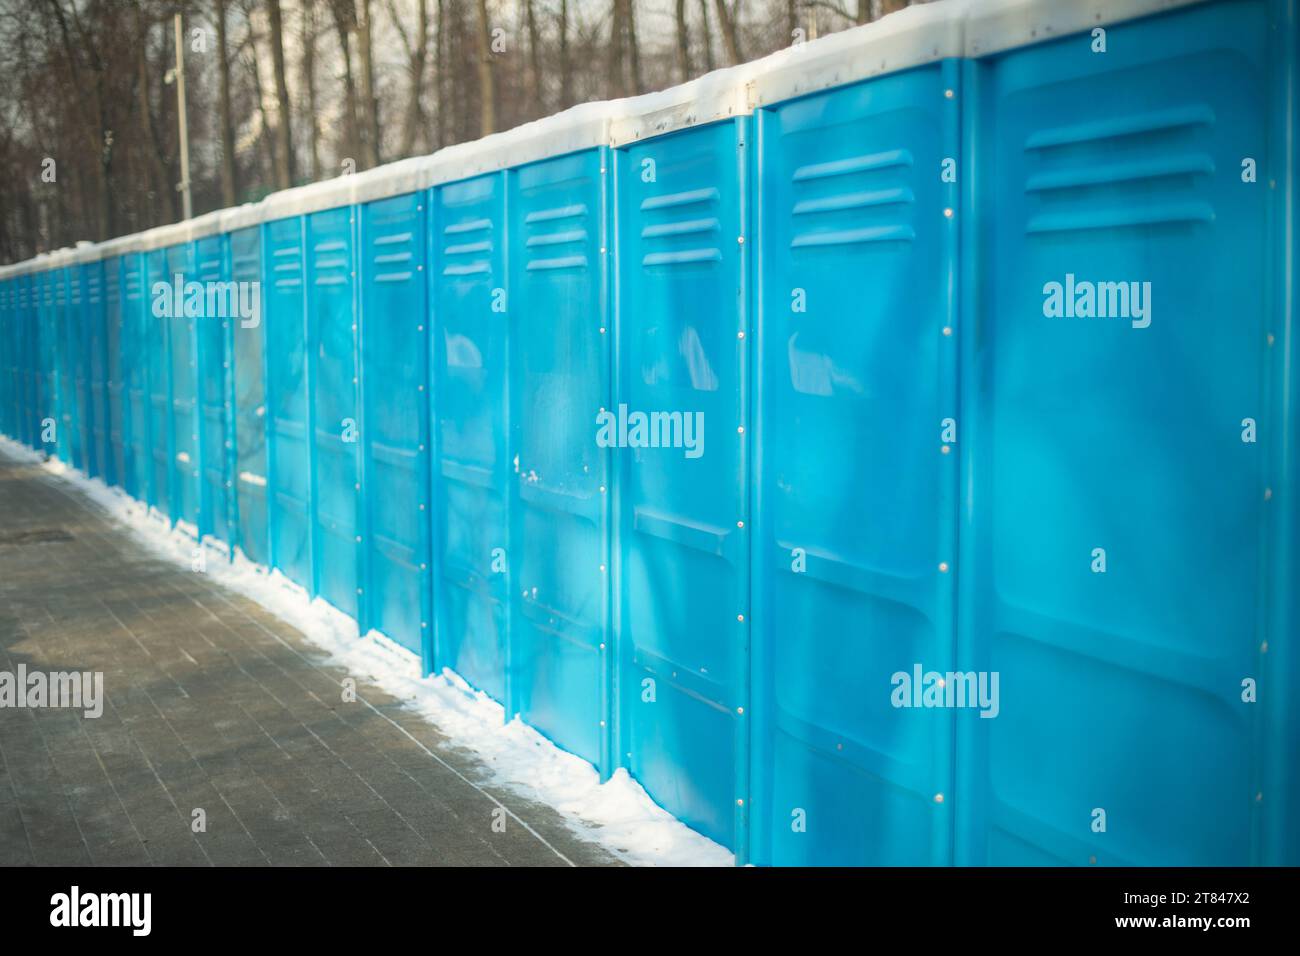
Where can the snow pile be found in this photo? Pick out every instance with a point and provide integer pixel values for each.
(618, 815)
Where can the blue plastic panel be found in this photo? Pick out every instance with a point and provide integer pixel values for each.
(79, 327)
(250, 398)
(8, 356)
(854, 254)
(681, 593)
(157, 352)
(560, 659)
(287, 400)
(20, 361)
(1090, 433)
(64, 364)
(183, 365)
(332, 359)
(47, 351)
(471, 478)
(137, 323)
(212, 363)
(96, 370)
(30, 288)
(394, 377)
(91, 398)
(114, 389)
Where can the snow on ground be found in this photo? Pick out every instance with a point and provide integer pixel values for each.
(619, 815)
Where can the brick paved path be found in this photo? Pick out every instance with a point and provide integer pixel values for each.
(213, 703)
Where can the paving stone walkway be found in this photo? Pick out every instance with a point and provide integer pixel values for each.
(212, 703)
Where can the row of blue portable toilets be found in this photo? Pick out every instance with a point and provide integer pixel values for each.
(895, 455)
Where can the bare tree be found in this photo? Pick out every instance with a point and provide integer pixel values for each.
(634, 49)
(728, 20)
(684, 68)
(566, 59)
(414, 127)
(307, 39)
(370, 103)
(163, 186)
(486, 73)
(284, 165)
(440, 75)
(707, 34)
(535, 58)
(614, 52)
(77, 44)
(344, 21)
(229, 176)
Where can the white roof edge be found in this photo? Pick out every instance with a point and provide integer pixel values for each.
(584, 126)
(714, 96)
(994, 26)
(914, 36)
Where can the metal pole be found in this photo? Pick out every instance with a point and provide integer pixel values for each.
(184, 185)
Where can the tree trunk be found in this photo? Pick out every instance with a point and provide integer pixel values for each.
(343, 25)
(370, 103)
(614, 72)
(707, 34)
(309, 85)
(684, 68)
(414, 126)
(153, 147)
(486, 74)
(535, 58)
(284, 164)
(727, 21)
(566, 60)
(229, 186)
(441, 75)
(633, 51)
